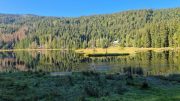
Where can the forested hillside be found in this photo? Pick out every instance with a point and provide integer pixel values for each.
(139, 28)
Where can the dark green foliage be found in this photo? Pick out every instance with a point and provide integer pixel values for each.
(90, 73)
(145, 85)
(174, 77)
(121, 89)
(34, 85)
(110, 77)
(140, 28)
(92, 90)
(28, 86)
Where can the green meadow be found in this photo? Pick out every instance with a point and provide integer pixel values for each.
(87, 86)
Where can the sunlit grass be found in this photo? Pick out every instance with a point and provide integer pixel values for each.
(120, 50)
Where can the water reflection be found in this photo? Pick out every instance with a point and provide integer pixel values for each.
(133, 71)
(144, 63)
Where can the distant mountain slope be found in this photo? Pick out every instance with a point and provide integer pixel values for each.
(138, 28)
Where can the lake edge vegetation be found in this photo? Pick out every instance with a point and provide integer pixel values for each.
(88, 86)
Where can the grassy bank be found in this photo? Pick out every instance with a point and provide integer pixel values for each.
(87, 86)
(11, 50)
(121, 50)
(102, 50)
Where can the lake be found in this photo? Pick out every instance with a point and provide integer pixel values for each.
(142, 63)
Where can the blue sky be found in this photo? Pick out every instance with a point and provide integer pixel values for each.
(74, 8)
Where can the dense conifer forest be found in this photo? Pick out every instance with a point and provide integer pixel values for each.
(136, 28)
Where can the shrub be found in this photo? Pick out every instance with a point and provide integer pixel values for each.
(121, 89)
(110, 77)
(90, 73)
(145, 85)
(92, 90)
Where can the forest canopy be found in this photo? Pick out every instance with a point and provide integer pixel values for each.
(136, 28)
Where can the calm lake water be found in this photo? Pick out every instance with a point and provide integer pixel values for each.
(144, 63)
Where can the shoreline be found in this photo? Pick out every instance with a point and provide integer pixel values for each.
(122, 50)
(117, 50)
(13, 50)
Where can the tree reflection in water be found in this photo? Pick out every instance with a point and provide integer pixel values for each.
(143, 63)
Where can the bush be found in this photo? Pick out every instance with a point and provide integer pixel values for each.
(121, 89)
(92, 90)
(90, 73)
(145, 85)
(20, 86)
(110, 77)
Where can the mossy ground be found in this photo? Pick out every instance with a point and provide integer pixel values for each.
(87, 86)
